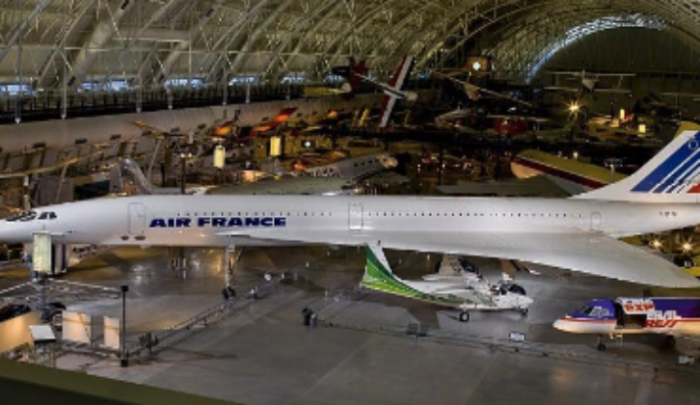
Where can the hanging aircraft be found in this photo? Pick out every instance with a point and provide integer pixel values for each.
(676, 317)
(351, 73)
(223, 131)
(589, 82)
(451, 287)
(475, 92)
(580, 233)
(542, 174)
(357, 72)
(336, 178)
(395, 90)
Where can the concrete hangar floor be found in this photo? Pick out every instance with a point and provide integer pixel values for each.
(260, 352)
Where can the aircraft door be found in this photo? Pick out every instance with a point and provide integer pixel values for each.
(355, 220)
(137, 219)
(596, 221)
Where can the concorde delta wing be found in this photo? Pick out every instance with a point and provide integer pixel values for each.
(588, 253)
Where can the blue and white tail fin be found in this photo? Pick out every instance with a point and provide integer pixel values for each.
(672, 176)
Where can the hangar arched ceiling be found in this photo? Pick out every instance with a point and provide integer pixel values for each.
(151, 41)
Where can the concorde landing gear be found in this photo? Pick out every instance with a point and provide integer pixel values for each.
(231, 258)
(464, 316)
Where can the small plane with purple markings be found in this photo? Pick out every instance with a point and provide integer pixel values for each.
(676, 317)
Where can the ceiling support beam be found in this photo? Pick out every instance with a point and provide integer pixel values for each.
(14, 39)
(59, 47)
(100, 35)
(321, 11)
(183, 46)
(228, 38)
(253, 37)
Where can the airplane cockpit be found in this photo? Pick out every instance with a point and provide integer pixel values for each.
(27, 216)
(504, 288)
(24, 216)
(468, 267)
(596, 309)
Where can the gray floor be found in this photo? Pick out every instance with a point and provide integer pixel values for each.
(264, 355)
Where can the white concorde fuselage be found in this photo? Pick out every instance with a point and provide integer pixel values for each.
(204, 220)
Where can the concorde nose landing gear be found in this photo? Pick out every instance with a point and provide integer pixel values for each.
(232, 256)
(464, 316)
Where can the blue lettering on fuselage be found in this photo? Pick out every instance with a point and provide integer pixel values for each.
(171, 223)
(220, 222)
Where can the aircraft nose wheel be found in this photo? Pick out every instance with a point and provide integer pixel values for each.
(524, 311)
(464, 317)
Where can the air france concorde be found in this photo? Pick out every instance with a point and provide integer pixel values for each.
(579, 233)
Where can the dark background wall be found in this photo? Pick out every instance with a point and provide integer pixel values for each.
(663, 63)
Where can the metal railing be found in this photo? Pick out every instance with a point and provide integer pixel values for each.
(47, 105)
(492, 344)
(155, 342)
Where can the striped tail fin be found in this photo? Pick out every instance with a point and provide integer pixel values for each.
(395, 91)
(379, 277)
(672, 176)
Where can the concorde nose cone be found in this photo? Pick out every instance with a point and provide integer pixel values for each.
(7, 231)
(563, 325)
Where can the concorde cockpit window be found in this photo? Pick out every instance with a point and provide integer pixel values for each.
(517, 289)
(47, 215)
(23, 216)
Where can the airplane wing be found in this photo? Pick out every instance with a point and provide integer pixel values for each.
(394, 90)
(592, 253)
(146, 128)
(612, 74)
(537, 186)
(466, 295)
(561, 88)
(613, 91)
(52, 168)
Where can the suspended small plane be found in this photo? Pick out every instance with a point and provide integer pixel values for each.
(589, 82)
(352, 73)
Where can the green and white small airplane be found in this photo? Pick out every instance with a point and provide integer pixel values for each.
(453, 286)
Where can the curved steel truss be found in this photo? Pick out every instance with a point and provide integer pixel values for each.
(47, 43)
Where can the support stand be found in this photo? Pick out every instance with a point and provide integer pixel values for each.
(230, 259)
(178, 259)
(124, 356)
